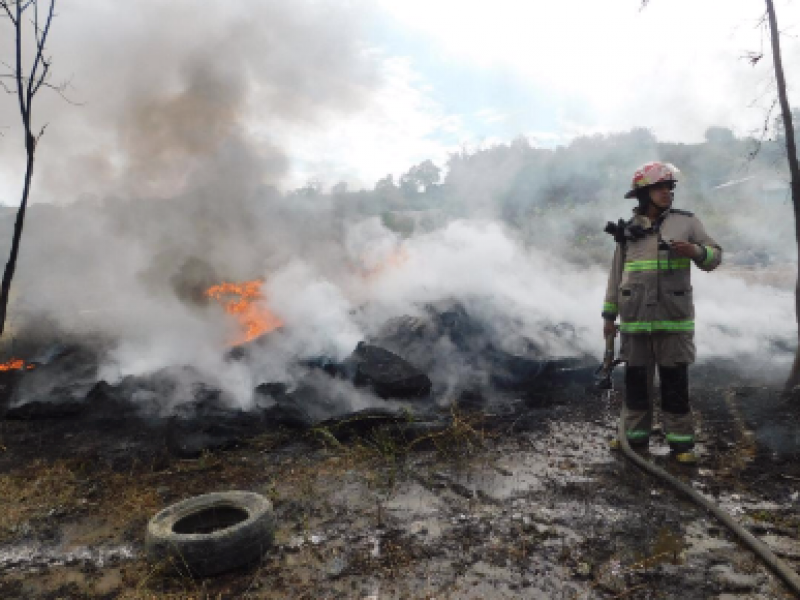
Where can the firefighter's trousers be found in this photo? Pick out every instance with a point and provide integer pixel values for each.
(672, 353)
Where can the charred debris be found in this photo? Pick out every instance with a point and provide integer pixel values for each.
(406, 371)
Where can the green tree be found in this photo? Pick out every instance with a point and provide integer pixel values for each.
(385, 184)
(420, 178)
(340, 189)
(719, 135)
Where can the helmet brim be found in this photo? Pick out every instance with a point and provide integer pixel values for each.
(633, 193)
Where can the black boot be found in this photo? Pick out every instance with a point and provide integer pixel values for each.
(675, 401)
(636, 398)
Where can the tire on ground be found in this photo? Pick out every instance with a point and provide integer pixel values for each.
(212, 533)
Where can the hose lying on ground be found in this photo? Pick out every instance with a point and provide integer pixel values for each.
(783, 570)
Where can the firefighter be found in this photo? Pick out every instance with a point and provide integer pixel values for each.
(649, 288)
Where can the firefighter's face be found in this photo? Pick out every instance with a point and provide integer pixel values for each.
(661, 194)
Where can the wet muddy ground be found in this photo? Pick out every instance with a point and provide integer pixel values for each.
(527, 502)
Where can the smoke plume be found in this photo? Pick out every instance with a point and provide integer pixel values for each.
(165, 181)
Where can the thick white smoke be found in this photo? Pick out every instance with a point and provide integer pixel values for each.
(176, 169)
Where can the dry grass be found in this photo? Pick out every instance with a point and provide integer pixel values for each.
(128, 498)
(102, 504)
(31, 493)
(464, 437)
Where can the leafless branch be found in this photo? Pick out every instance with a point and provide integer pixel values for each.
(768, 120)
(35, 81)
(24, 5)
(41, 132)
(7, 8)
(20, 6)
(769, 89)
(45, 69)
(59, 89)
(753, 57)
(22, 106)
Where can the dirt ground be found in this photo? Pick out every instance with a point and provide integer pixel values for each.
(525, 501)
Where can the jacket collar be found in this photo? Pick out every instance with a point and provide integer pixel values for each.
(645, 221)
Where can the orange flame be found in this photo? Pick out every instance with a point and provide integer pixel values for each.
(16, 364)
(395, 260)
(242, 300)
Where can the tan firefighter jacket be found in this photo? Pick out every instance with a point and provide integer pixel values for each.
(651, 289)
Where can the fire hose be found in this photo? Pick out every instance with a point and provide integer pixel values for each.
(784, 571)
(778, 566)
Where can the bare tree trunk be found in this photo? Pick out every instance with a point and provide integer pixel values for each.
(11, 265)
(794, 171)
(27, 86)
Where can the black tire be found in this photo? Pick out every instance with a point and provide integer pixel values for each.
(212, 533)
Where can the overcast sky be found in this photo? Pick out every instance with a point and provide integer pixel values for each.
(355, 90)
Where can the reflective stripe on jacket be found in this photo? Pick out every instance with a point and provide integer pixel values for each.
(651, 289)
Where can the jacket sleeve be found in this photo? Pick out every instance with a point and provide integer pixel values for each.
(610, 305)
(712, 251)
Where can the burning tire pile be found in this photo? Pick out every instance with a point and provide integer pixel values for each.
(193, 415)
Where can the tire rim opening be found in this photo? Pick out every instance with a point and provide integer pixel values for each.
(210, 520)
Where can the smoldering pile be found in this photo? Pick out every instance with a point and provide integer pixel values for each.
(410, 375)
